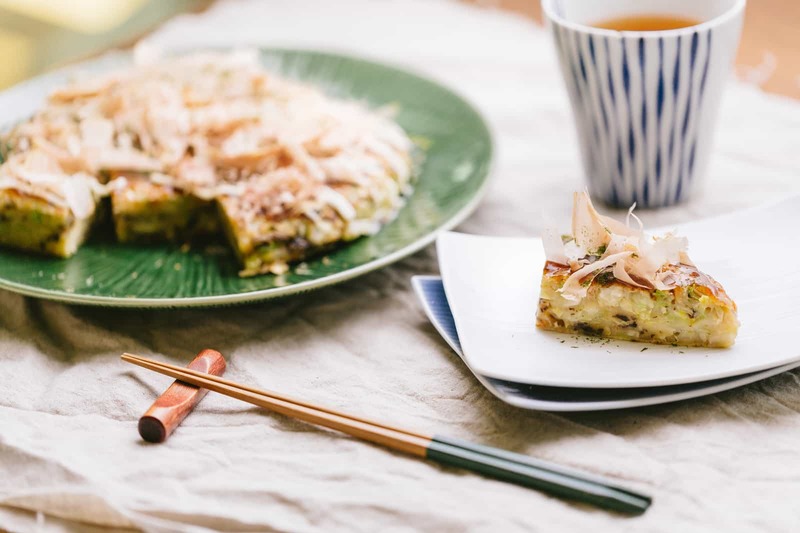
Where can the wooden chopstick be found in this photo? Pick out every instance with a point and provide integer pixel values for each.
(459, 443)
(272, 394)
(501, 464)
(477, 448)
(386, 437)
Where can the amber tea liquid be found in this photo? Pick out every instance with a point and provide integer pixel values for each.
(646, 23)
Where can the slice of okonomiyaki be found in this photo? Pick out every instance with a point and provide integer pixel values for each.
(610, 280)
(147, 210)
(313, 171)
(286, 216)
(44, 208)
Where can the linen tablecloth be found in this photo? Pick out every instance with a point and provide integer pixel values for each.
(70, 456)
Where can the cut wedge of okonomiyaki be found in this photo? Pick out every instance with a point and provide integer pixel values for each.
(612, 280)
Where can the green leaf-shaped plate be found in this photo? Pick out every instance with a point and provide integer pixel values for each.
(458, 152)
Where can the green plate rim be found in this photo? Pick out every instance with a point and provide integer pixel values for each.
(295, 288)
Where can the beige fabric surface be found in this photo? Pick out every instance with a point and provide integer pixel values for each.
(68, 407)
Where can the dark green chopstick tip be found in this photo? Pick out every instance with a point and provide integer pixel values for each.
(534, 473)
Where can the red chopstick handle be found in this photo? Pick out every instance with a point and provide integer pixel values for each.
(169, 409)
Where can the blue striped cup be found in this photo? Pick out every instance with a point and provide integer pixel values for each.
(644, 102)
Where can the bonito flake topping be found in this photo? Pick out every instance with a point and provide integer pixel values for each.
(598, 242)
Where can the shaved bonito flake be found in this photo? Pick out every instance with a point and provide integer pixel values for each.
(338, 202)
(598, 242)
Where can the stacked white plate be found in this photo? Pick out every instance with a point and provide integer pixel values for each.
(485, 304)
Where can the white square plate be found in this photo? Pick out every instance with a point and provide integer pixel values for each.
(543, 398)
(492, 284)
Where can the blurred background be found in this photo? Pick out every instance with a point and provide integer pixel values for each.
(36, 35)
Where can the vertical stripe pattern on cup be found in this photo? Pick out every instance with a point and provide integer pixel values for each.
(640, 110)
